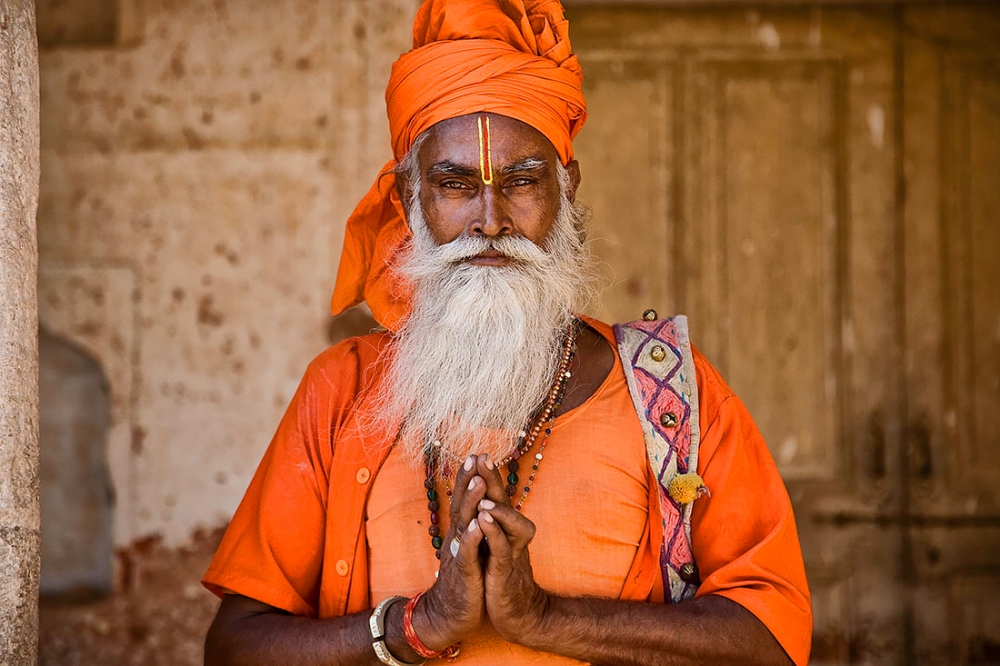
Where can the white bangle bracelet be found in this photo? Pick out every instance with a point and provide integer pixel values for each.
(376, 623)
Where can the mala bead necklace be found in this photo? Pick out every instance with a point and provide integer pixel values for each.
(525, 440)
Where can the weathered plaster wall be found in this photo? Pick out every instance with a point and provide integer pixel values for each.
(19, 512)
(194, 190)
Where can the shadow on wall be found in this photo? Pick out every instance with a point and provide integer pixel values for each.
(76, 494)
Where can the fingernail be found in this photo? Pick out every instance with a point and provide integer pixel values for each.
(472, 483)
(489, 463)
(486, 504)
(487, 517)
(473, 525)
(469, 462)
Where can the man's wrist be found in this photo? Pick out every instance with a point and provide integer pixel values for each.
(425, 627)
(450, 652)
(395, 640)
(538, 634)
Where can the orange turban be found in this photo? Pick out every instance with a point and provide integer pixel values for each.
(510, 57)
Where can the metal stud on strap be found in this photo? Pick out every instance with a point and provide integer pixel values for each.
(668, 420)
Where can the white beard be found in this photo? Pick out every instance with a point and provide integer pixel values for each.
(478, 354)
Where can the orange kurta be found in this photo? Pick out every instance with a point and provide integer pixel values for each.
(300, 539)
(589, 503)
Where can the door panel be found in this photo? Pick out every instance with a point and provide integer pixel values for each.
(952, 245)
(742, 170)
(858, 617)
(768, 223)
(745, 167)
(631, 206)
(971, 119)
(957, 599)
(953, 274)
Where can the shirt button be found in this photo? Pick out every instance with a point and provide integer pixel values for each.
(688, 572)
(342, 567)
(364, 475)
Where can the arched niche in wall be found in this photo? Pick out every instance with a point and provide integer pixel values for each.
(77, 497)
(94, 308)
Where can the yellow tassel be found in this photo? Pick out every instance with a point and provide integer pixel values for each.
(685, 488)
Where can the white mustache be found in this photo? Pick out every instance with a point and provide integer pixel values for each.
(464, 248)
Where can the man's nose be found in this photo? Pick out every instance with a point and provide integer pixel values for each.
(494, 216)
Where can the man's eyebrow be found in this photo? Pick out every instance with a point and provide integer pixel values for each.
(527, 164)
(447, 168)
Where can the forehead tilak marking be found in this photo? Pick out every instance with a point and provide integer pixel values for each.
(485, 156)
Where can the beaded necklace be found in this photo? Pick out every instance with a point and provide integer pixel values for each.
(525, 440)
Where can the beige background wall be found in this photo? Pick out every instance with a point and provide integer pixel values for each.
(199, 159)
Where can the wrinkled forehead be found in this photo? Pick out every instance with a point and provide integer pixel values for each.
(465, 140)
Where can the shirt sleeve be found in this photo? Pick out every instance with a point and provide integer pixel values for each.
(272, 550)
(744, 537)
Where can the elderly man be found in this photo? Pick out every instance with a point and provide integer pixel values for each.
(495, 478)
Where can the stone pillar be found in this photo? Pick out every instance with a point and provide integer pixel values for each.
(19, 510)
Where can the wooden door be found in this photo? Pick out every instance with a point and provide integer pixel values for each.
(741, 166)
(952, 249)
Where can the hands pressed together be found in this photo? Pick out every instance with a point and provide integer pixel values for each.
(490, 577)
(490, 574)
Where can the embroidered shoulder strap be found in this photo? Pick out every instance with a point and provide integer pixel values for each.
(659, 369)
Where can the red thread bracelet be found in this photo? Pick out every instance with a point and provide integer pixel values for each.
(449, 653)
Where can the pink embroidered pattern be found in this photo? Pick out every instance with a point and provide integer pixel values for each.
(664, 391)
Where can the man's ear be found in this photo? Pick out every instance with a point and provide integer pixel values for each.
(573, 169)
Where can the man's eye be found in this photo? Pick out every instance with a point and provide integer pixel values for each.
(453, 185)
(521, 182)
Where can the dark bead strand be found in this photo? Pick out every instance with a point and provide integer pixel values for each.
(432, 503)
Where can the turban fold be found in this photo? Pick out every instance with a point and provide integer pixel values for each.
(510, 57)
